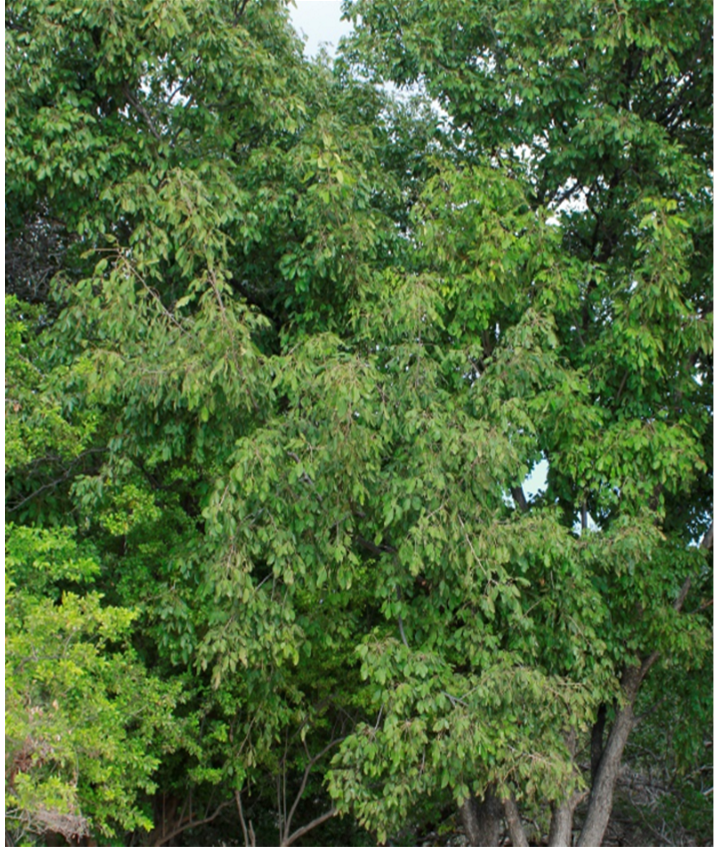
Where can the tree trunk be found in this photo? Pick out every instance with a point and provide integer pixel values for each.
(598, 739)
(560, 828)
(602, 794)
(514, 823)
(482, 819)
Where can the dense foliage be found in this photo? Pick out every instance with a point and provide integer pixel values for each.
(282, 350)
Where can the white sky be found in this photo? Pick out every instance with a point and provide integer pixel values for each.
(319, 21)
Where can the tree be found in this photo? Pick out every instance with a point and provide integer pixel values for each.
(603, 114)
(226, 201)
(85, 719)
(296, 383)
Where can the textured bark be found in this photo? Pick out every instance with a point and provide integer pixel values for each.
(514, 823)
(482, 820)
(560, 828)
(469, 815)
(602, 794)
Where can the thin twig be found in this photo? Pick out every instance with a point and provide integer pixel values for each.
(399, 620)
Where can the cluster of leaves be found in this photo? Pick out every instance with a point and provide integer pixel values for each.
(86, 723)
(272, 560)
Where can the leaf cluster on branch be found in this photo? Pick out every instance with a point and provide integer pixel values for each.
(282, 350)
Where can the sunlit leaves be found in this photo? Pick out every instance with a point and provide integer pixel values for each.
(82, 714)
(305, 347)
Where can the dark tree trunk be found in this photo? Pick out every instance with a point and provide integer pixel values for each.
(482, 820)
(598, 739)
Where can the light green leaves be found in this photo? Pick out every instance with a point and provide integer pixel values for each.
(82, 714)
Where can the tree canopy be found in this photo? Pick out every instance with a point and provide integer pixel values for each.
(282, 350)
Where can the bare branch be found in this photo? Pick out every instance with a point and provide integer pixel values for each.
(453, 700)
(135, 103)
(192, 824)
(59, 480)
(373, 548)
(239, 11)
(311, 825)
(305, 776)
(621, 386)
(399, 621)
(707, 543)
